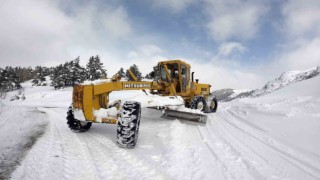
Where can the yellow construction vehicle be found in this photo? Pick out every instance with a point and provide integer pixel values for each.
(91, 104)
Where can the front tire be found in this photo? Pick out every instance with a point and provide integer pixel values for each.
(128, 125)
(76, 125)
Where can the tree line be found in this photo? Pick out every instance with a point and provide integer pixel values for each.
(63, 75)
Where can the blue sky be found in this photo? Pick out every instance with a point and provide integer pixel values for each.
(229, 43)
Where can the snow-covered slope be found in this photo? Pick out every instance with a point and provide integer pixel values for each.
(283, 80)
(276, 136)
(286, 79)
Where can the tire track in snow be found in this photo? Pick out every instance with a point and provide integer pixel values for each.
(181, 158)
(249, 134)
(104, 163)
(229, 159)
(121, 160)
(93, 156)
(297, 159)
(77, 162)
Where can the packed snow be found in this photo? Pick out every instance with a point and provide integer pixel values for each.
(105, 113)
(275, 136)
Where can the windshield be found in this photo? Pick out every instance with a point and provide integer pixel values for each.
(163, 74)
(172, 70)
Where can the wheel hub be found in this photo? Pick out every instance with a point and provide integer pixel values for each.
(200, 106)
(212, 105)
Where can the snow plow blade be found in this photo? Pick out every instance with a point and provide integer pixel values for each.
(181, 115)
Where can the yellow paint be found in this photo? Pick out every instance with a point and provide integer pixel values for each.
(95, 96)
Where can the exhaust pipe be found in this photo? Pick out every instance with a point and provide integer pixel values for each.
(192, 76)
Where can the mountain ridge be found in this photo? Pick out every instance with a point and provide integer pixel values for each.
(285, 79)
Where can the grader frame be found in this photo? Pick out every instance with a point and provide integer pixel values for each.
(174, 80)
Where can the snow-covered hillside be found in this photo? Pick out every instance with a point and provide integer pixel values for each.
(274, 136)
(285, 79)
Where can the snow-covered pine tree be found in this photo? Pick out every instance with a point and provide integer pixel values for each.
(78, 73)
(56, 77)
(135, 70)
(39, 78)
(95, 69)
(11, 80)
(121, 73)
(2, 80)
(65, 74)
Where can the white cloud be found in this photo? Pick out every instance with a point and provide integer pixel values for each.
(301, 17)
(31, 30)
(226, 49)
(234, 19)
(225, 74)
(116, 22)
(145, 56)
(301, 28)
(307, 55)
(40, 33)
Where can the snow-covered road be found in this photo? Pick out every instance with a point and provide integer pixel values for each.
(228, 147)
(271, 137)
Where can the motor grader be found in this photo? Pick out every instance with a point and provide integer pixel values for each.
(90, 102)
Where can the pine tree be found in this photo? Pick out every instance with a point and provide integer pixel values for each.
(135, 70)
(121, 73)
(9, 79)
(95, 69)
(2, 80)
(12, 81)
(153, 74)
(39, 78)
(67, 74)
(56, 77)
(78, 73)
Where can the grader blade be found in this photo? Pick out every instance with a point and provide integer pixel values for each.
(181, 115)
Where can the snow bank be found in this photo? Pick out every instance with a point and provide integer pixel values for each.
(19, 127)
(105, 113)
(42, 96)
(2, 106)
(291, 114)
(98, 81)
(146, 100)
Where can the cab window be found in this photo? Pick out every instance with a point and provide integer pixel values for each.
(163, 74)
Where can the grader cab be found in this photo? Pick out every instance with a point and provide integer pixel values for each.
(186, 100)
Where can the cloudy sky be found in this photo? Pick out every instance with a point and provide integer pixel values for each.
(229, 43)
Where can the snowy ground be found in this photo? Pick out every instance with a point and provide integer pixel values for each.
(272, 137)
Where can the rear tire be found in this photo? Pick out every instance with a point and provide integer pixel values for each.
(199, 102)
(213, 105)
(76, 125)
(128, 125)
